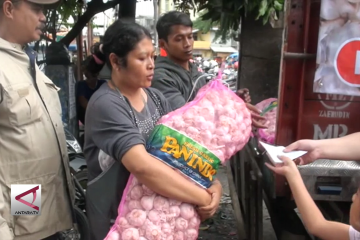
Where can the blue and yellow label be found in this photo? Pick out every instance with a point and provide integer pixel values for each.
(182, 153)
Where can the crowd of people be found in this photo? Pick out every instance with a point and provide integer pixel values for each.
(118, 115)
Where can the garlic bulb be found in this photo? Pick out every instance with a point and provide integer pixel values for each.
(328, 26)
(325, 28)
(329, 10)
(346, 9)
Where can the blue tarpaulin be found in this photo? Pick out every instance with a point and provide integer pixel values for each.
(72, 48)
(234, 55)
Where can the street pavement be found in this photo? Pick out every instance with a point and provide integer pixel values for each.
(224, 226)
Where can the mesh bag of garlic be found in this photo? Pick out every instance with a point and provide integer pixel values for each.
(194, 140)
(268, 108)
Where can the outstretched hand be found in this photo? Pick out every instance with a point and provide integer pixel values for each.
(244, 94)
(257, 119)
(312, 148)
(287, 168)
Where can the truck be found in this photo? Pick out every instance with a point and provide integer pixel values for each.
(302, 114)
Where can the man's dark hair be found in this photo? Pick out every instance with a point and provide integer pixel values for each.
(170, 19)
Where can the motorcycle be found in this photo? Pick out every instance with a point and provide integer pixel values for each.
(76, 158)
(78, 171)
(230, 78)
(81, 230)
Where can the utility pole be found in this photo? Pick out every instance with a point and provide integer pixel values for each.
(156, 17)
(117, 10)
(90, 36)
(127, 10)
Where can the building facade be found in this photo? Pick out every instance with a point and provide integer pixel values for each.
(206, 46)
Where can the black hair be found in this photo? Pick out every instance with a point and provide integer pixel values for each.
(170, 19)
(121, 38)
(89, 64)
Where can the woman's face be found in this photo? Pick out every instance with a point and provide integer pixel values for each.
(88, 75)
(139, 70)
(355, 211)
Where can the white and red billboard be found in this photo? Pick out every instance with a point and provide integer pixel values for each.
(338, 54)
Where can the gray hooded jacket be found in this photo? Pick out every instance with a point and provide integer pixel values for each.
(176, 83)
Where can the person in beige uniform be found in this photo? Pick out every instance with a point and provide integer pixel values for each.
(32, 140)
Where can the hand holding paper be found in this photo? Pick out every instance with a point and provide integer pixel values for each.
(274, 151)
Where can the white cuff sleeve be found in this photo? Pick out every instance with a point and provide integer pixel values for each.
(353, 234)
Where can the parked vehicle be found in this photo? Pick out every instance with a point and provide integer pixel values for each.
(76, 156)
(78, 171)
(82, 229)
(302, 114)
(78, 168)
(230, 78)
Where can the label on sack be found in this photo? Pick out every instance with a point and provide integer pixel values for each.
(271, 106)
(182, 153)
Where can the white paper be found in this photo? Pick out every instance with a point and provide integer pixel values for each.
(274, 151)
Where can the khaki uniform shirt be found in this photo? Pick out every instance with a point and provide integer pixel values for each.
(32, 148)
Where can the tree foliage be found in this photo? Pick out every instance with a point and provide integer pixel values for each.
(81, 12)
(227, 13)
(60, 15)
(204, 25)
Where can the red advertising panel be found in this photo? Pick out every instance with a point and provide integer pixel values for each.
(330, 117)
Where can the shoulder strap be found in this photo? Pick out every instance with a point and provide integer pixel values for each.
(31, 54)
